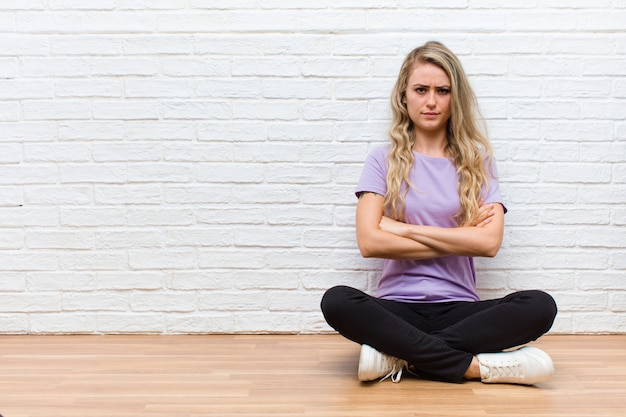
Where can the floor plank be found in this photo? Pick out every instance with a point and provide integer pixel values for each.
(281, 375)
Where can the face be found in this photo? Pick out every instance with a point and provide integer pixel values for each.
(428, 98)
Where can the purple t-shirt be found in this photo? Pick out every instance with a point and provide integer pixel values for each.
(433, 202)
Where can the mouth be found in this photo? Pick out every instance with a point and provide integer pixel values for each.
(430, 114)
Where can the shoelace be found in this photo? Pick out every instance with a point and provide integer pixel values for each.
(504, 370)
(394, 375)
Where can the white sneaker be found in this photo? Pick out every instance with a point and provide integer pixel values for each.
(527, 365)
(374, 364)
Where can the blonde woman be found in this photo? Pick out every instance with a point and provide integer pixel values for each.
(428, 203)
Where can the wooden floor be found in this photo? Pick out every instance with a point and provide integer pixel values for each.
(281, 375)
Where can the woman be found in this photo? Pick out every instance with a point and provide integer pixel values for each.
(429, 203)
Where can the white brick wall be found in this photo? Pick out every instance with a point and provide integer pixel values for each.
(188, 166)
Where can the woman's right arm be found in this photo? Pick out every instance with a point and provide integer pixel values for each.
(376, 243)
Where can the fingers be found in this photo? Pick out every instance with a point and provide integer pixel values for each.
(485, 212)
(485, 222)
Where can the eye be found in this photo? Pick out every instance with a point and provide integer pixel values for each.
(420, 90)
(443, 91)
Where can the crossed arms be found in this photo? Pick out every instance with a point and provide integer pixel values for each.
(379, 236)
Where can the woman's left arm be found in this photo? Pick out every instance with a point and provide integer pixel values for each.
(483, 239)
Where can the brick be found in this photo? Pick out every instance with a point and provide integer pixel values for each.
(51, 323)
(192, 67)
(8, 68)
(120, 152)
(125, 66)
(12, 240)
(266, 152)
(265, 110)
(193, 110)
(93, 260)
(81, 44)
(334, 67)
(180, 301)
(10, 153)
(601, 237)
(16, 89)
(243, 88)
(20, 5)
(586, 131)
(61, 281)
(336, 21)
(158, 88)
(159, 216)
(346, 110)
(267, 237)
(325, 238)
(29, 302)
(92, 173)
(81, 4)
(59, 240)
(55, 110)
(86, 21)
(90, 130)
(510, 87)
(300, 131)
(199, 237)
(125, 239)
(230, 173)
(299, 215)
(163, 172)
(30, 216)
(232, 259)
(128, 280)
(14, 323)
(574, 216)
(28, 174)
(229, 21)
(544, 110)
(25, 45)
(229, 131)
(167, 259)
(125, 110)
(587, 88)
(130, 322)
(542, 21)
(89, 88)
(53, 194)
(93, 217)
(57, 153)
(150, 4)
(158, 130)
(302, 89)
(298, 174)
(576, 173)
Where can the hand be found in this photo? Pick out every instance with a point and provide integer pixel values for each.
(387, 224)
(484, 215)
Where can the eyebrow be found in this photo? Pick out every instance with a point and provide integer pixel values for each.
(427, 86)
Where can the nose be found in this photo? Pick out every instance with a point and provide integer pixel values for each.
(430, 99)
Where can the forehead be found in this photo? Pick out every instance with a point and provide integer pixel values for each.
(426, 73)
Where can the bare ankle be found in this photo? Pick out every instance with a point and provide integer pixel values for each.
(473, 370)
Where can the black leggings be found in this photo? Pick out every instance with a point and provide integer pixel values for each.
(439, 339)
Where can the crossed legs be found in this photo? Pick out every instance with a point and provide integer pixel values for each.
(440, 340)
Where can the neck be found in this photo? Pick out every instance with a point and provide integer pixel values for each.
(431, 145)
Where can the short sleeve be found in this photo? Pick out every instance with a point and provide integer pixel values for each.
(374, 174)
(492, 193)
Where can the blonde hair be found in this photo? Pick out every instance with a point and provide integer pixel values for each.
(468, 145)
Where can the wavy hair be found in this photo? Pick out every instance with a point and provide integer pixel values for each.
(468, 145)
